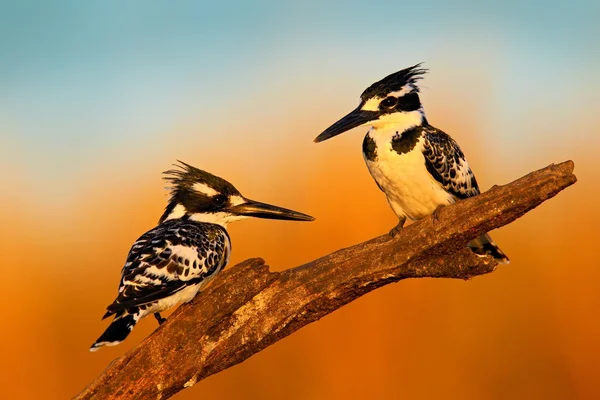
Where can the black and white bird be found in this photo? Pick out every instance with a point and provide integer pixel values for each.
(190, 246)
(418, 167)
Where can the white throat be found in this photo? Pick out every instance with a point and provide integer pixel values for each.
(219, 218)
(399, 121)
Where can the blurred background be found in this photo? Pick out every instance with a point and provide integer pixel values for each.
(97, 98)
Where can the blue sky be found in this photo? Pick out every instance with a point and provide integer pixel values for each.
(81, 78)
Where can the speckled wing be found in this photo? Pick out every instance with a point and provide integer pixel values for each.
(447, 164)
(168, 258)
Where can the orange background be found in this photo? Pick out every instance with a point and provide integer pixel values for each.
(72, 207)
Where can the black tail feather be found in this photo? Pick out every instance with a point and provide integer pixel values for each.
(117, 331)
(484, 245)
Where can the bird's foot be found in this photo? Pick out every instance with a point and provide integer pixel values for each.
(435, 216)
(159, 318)
(395, 231)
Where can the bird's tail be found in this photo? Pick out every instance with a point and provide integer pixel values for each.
(117, 331)
(484, 245)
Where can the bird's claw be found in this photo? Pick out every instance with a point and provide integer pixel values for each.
(159, 318)
(395, 231)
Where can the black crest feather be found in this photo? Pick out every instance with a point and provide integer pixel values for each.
(184, 175)
(395, 82)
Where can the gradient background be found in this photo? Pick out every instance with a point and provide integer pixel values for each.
(97, 98)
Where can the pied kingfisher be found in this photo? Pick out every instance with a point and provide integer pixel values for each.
(189, 247)
(418, 167)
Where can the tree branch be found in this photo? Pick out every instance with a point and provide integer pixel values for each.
(248, 308)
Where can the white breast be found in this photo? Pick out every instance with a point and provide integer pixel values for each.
(410, 189)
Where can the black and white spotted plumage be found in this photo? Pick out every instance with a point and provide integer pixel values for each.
(419, 167)
(447, 164)
(176, 254)
(167, 265)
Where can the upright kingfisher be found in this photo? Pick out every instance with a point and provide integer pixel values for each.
(418, 167)
(190, 246)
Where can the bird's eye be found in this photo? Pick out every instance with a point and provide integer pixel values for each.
(388, 102)
(220, 199)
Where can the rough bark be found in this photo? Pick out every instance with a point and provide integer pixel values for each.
(248, 307)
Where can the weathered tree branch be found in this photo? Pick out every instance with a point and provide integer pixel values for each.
(248, 307)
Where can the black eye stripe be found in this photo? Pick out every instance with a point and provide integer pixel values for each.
(408, 102)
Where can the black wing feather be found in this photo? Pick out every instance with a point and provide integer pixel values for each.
(174, 255)
(446, 162)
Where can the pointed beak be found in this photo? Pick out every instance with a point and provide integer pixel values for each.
(251, 208)
(356, 118)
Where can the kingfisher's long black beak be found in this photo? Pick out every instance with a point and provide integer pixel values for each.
(256, 209)
(356, 118)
